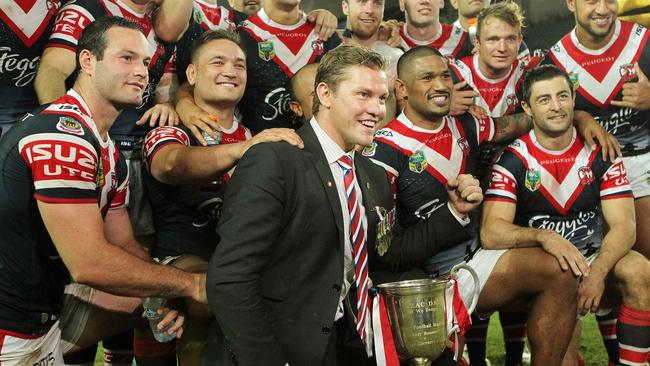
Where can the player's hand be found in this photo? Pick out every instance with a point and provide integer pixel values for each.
(172, 315)
(325, 23)
(567, 255)
(462, 97)
(478, 112)
(197, 120)
(162, 114)
(590, 129)
(389, 32)
(465, 193)
(590, 292)
(636, 95)
(274, 135)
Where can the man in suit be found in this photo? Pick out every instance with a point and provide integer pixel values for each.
(293, 218)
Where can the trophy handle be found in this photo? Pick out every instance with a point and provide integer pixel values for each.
(477, 288)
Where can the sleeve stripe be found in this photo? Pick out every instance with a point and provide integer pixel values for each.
(386, 167)
(503, 171)
(617, 196)
(64, 200)
(501, 193)
(615, 190)
(62, 183)
(499, 199)
(63, 37)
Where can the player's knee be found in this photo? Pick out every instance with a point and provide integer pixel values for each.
(632, 272)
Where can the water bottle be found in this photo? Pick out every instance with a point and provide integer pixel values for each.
(151, 306)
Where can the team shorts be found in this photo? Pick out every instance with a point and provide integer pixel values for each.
(638, 172)
(31, 350)
(482, 262)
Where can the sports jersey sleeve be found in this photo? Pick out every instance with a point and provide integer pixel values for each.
(503, 184)
(483, 128)
(614, 183)
(162, 136)
(121, 198)
(71, 21)
(63, 166)
(387, 156)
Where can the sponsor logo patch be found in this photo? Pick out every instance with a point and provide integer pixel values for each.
(266, 51)
(369, 150)
(417, 162)
(533, 180)
(70, 125)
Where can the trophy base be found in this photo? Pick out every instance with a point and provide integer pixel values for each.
(420, 361)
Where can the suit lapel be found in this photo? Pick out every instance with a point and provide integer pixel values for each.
(368, 195)
(317, 157)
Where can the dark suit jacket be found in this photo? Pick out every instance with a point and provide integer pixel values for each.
(275, 278)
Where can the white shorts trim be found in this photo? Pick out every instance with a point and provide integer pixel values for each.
(483, 263)
(638, 172)
(16, 350)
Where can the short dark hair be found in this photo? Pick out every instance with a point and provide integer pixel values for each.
(214, 35)
(541, 73)
(93, 37)
(293, 81)
(404, 62)
(334, 64)
(507, 11)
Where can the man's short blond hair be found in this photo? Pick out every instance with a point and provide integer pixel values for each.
(334, 65)
(506, 11)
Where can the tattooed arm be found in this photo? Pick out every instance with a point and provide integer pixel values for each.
(510, 127)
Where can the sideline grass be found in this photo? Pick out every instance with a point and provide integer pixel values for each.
(591, 345)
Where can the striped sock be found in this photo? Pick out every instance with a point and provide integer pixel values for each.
(633, 331)
(607, 327)
(514, 336)
(475, 340)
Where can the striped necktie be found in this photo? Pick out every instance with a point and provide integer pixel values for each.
(358, 240)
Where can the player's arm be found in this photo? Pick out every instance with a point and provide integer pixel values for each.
(77, 230)
(178, 164)
(172, 18)
(253, 217)
(192, 116)
(56, 65)
(119, 231)
(590, 129)
(510, 127)
(498, 231)
(619, 216)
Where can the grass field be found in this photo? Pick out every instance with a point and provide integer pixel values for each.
(591, 344)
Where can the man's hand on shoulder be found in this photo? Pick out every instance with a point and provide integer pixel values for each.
(465, 194)
(324, 22)
(275, 135)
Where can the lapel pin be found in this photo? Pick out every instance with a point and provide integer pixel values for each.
(329, 184)
(368, 185)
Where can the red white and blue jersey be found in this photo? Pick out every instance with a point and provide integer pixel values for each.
(599, 77)
(274, 52)
(497, 97)
(54, 155)
(450, 40)
(419, 162)
(558, 190)
(73, 19)
(205, 16)
(186, 216)
(25, 26)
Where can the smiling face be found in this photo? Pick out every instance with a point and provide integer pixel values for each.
(121, 76)
(427, 86)
(354, 107)
(469, 8)
(594, 18)
(218, 73)
(420, 13)
(248, 7)
(364, 16)
(551, 105)
(498, 46)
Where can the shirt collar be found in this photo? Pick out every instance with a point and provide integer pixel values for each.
(332, 150)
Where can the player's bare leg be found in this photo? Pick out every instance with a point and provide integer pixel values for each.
(642, 212)
(529, 274)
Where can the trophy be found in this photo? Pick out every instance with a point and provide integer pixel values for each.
(418, 317)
